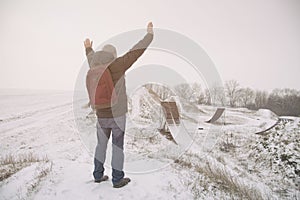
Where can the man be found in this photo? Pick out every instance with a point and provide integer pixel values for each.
(113, 119)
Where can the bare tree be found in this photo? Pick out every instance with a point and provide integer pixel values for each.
(217, 95)
(207, 97)
(246, 96)
(232, 89)
(184, 91)
(261, 99)
(197, 94)
(161, 91)
(284, 102)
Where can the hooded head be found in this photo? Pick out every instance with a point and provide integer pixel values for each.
(101, 58)
(110, 49)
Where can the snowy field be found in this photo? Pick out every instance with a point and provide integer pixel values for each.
(46, 152)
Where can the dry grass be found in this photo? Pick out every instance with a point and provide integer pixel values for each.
(228, 144)
(217, 175)
(229, 183)
(11, 164)
(41, 174)
(183, 163)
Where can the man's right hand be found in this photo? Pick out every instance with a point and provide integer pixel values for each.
(88, 43)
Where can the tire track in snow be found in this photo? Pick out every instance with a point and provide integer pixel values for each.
(31, 113)
(50, 135)
(23, 121)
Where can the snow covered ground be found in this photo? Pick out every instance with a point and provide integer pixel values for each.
(46, 153)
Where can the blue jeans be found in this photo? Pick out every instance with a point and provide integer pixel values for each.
(105, 127)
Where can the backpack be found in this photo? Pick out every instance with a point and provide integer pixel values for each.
(100, 87)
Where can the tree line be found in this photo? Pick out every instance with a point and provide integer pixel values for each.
(281, 101)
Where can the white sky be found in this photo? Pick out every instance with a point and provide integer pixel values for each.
(255, 42)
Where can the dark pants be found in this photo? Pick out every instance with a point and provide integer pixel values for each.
(105, 127)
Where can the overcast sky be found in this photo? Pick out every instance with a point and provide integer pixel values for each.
(255, 42)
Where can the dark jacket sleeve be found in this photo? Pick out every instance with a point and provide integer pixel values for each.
(136, 51)
(89, 54)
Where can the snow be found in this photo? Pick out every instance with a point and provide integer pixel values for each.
(46, 123)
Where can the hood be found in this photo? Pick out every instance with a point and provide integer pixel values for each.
(101, 58)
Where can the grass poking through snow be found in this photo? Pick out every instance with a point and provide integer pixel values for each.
(10, 164)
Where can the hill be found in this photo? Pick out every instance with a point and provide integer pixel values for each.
(47, 143)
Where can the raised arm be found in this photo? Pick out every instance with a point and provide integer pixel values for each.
(137, 50)
(89, 50)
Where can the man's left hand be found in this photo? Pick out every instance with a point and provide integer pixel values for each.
(88, 43)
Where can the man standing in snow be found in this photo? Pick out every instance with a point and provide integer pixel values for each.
(113, 119)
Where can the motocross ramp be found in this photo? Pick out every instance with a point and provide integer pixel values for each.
(264, 132)
(177, 129)
(219, 112)
(180, 135)
(171, 112)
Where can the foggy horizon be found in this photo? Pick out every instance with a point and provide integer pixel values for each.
(255, 43)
